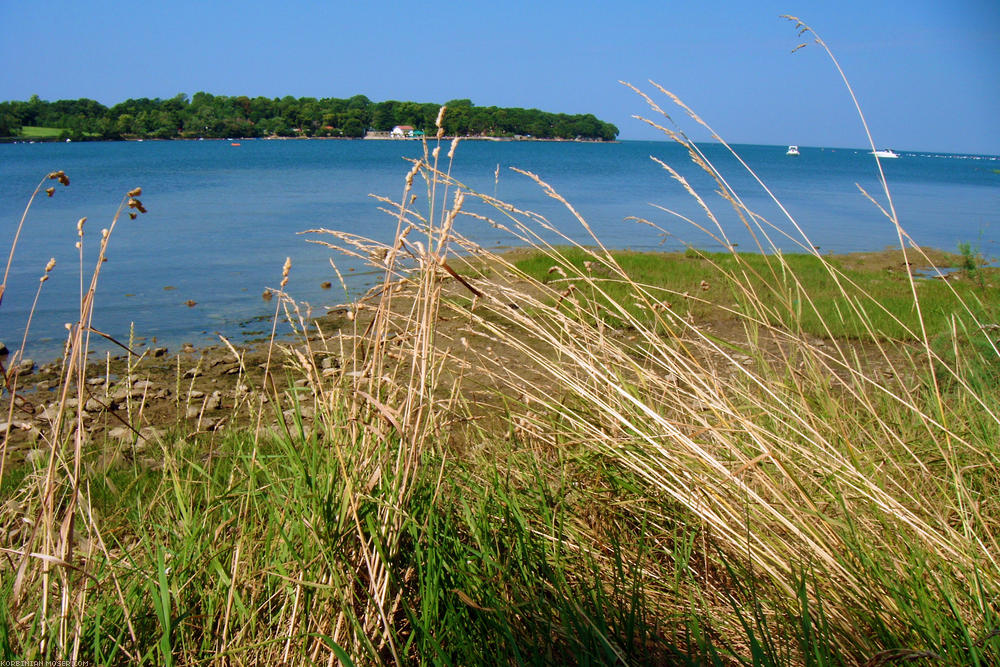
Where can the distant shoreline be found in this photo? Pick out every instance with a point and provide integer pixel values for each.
(56, 140)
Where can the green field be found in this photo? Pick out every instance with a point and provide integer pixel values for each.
(36, 132)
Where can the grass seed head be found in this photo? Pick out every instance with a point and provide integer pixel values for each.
(79, 226)
(439, 120)
(135, 192)
(50, 191)
(284, 271)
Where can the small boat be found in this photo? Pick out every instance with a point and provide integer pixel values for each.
(235, 143)
(885, 153)
(792, 150)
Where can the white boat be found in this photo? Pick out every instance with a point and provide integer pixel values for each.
(885, 153)
(792, 150)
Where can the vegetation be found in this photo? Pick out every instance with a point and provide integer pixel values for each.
(538, 461)
(206, 115)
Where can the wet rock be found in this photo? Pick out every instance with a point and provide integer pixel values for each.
(192, 412)
(93, 405)
(160, 352)
(26, 366)
(3, 349)
(196, 393)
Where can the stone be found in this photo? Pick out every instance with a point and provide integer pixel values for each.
(196, 393)
(3, 349)
(25, 366)
(93, 405)
(35, 456)
(160, 352)
(120, 433)
(10, 426)
(150, 434)
(192, 412)
(214, 401)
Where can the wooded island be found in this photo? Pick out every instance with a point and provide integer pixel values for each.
(216, 116)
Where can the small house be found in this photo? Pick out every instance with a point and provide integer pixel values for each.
(401, 131)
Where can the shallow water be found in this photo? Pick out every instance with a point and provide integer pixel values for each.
(223, 218)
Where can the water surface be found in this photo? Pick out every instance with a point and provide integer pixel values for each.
(223, 218)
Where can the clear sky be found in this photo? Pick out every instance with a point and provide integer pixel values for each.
(927, 72)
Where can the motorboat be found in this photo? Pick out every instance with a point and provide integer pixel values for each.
(792, 150)
(885, 153)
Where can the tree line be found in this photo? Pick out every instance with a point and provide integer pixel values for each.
(216, 116)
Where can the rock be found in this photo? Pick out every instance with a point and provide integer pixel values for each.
(330, 362)
(150, 434)
(120, 433)
(93, 382)
(93, 405)
(3, 349)
(160, 352)
(141, 386)
(192, 412)
(10, 426)
(35, 456)
(214, 401)
(195, 393)
(190, 373)
(26, 366)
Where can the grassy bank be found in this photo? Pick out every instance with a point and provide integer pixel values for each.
(36, 132)
(566, 456)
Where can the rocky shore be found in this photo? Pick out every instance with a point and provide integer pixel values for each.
(138, 399)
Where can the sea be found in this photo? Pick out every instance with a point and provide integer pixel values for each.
(222, 218)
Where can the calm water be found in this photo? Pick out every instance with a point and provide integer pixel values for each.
(222, 219)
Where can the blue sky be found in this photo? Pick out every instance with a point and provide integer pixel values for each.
(927, 72)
